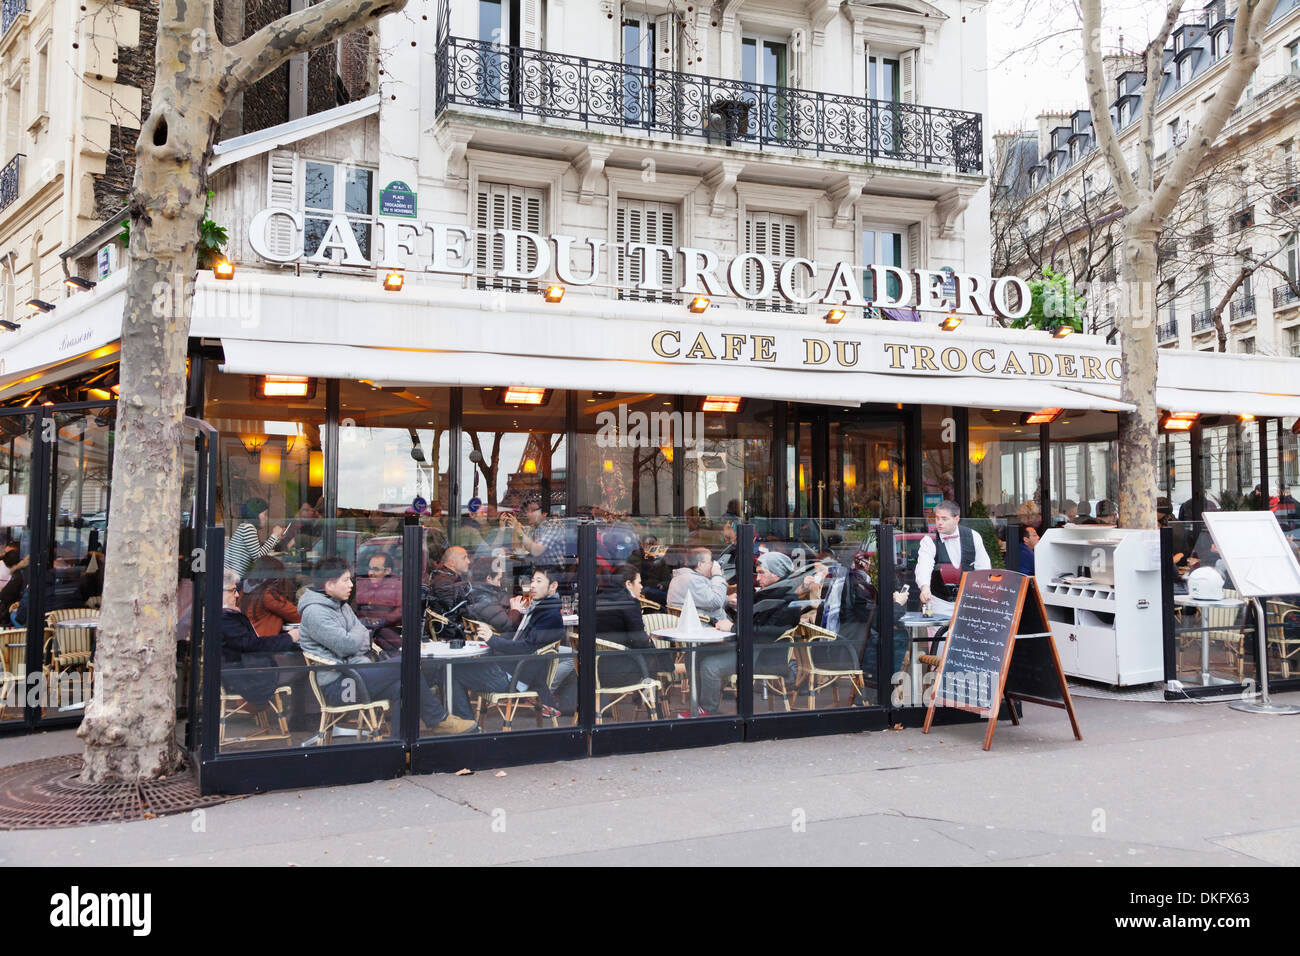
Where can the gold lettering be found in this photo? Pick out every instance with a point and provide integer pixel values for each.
(1066, 365)
(1012, 362)
(731, 343)
(1042, 363)
(701, 348)
(817, 352)
(896, 351)
(923, 359)
(953, 364)
(763, 348)
(1092, 367)
(846, 353)
(1113, 368)
(657, 343)
(979, 366)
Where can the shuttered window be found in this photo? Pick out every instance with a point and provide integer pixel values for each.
(643, 220)
(281, 193)
(502, 206)
(778, 237)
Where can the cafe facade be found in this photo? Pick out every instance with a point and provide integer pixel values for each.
(722, 288)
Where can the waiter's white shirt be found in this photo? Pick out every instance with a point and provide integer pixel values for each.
(952, 547)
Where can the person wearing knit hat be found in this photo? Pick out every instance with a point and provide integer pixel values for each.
(776, 610)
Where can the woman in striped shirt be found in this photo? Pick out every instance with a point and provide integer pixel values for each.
(246, 544)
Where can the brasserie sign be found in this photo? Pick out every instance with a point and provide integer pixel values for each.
(527, 256)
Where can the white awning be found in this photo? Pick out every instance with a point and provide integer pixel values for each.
(1228, 403)
(428, 367)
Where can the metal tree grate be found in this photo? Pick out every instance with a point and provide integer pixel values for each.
(45, 794)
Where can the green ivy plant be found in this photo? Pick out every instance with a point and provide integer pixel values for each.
(212, 238)
(1055, 303)
(985, 528)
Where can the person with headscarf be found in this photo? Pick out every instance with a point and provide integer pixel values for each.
(251, 539)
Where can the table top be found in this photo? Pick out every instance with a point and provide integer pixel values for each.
(570, 620)
(442, 650)
(708, 635)
(912, 619)
(1197, 602)
(79, 622)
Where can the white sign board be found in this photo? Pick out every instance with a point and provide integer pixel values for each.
(1257, 553)
(13, 511)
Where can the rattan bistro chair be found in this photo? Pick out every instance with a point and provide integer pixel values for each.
(659, 621)
(233, 705)
(507, 703)
(646, 688)
(13, 673)
(821, 676)
(776, 682)
(67, 648)
(369, 716)
(1284, 635)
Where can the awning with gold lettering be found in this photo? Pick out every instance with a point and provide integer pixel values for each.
(433, 367)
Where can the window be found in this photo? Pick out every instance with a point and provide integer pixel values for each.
(638, 40)
(778, 237)
(1125, 113)
(1292, 262)
(43, 80)
(1206, 290)
(1172, 138)
(1184, 70)
(1244, 261)
(1246, 346)
(882, 247)
(1293, 56)
(1292, 341)
(503, 206)
(1219, 45)
(763, 61)
(642, 220)
(329, 190)
(1169, 300)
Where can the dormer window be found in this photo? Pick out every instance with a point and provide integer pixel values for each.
(1178, 43)
(1219, 45)
(1125, 113)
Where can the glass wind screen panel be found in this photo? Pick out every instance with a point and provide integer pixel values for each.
(727, 465)
(358, 186)
(1004, 466)
(1230, 459)
(1085, 468)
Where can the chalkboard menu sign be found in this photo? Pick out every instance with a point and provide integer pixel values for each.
(999, 647)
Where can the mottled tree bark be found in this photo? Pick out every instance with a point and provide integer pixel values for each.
(129, 725)
(1148, 204)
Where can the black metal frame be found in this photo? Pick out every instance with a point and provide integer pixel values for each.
(513, 79)
(10, 175)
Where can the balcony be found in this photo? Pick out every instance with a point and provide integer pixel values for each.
(1284, 296)
(1243, 308)
(10, 11)
(9, 182)
(1202, 236)
(1203, 321)
(1167, 331)
(642, 100)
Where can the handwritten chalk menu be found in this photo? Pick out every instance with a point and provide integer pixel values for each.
(999, 648)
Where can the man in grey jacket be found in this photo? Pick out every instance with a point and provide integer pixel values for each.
(703, 580)
(331, 631)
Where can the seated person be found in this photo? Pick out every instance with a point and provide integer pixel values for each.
(331, 632)
(242, 648)
(449, 580)
(1028, 542)
(703, 579)
(618, 619)
(774, 614)
(488, 600)
(379, 603)
(264, 600)
(541, 623)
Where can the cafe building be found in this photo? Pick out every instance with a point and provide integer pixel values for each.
(661, 272)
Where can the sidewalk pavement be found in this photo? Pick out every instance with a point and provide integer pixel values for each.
(1180, 784)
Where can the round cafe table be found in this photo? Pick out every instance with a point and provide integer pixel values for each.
(1185, 600)
(443, 651)
(918, 628)
(693, 642)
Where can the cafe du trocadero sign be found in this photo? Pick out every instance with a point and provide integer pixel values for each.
(448, 248)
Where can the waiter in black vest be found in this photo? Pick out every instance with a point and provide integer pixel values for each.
(952, 544)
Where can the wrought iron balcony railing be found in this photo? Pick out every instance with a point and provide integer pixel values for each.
(1243, 308)
(10, 10)
(1283, 296)
(1167, 331)
(9, 181)
(1203, 320)
(588, 92)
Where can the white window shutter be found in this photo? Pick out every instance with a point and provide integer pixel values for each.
(641, 220)
(907, 77)
(502, 206)
(666, 42)
(798, 45)
(281, 193)
(914, 246)
(530, 24)
(776, 236)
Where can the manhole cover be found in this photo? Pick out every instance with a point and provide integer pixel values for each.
(46, 793)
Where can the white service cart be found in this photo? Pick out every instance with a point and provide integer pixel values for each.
(1107, 621)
